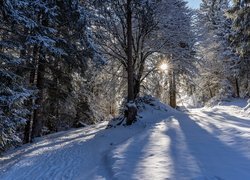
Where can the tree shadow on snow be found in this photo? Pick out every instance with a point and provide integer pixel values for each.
(47, 144)
(213, 158)
(177, 148)
(239, 121)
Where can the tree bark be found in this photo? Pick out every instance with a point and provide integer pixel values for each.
(172, 89)
(237, 88)
(129, 53)
(32, 78)
(137, 86)
(131, 110)
(37, 116)
(138, 78)
(210, 91)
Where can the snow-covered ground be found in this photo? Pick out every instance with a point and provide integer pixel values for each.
(207, 143)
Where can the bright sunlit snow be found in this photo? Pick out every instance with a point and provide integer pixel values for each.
(207, 143)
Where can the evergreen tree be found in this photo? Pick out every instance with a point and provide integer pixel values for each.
(46, 46)
(214, 53)
(69, 81)
(13, 88)
(239, 40)
(240, 14)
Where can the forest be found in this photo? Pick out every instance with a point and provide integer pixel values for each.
(74, 63)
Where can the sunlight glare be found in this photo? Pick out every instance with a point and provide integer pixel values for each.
(164, 66)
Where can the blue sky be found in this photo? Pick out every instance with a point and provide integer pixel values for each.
(194, 3)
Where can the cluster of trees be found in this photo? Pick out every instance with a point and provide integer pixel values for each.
(46, 53)
(69, 63)
(222, 50)
(137, 34)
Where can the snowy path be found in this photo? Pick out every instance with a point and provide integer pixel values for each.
(199, 144)
(196, 145)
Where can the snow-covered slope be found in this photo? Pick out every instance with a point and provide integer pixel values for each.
(201, 144)
(164, 144)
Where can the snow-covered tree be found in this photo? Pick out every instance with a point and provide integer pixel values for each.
(177, 31)
(13, 89)
(240, 14)
(69, 75)
(239, 39)
(159, 27)
(48, 47)
(215, 56)
(127, 26)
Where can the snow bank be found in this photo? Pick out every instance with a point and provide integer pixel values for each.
(147, 106)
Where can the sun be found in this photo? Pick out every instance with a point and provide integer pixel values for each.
(164, 66)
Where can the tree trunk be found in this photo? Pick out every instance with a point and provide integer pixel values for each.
(29, 123)
(37, 116)
(137, 79)
(112, 94)
(137, 85)
(28, 130)
(210, 91)
(237, 88)
(172, 89)
(131, 110)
